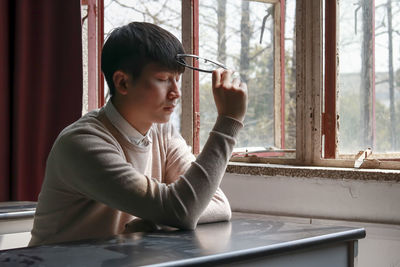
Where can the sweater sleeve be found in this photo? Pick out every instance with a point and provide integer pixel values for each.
(178, 159)
(91, 163)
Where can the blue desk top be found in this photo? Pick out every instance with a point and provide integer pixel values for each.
(243, 237)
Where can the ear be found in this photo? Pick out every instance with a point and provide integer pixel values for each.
(120, 80)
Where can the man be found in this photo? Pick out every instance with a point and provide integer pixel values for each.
(124, 168)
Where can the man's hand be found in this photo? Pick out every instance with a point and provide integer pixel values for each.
(230, 96)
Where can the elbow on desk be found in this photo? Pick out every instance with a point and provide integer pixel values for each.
(190, 222)
(228, 214)
(187, 223)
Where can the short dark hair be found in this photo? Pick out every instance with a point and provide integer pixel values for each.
(131, 47)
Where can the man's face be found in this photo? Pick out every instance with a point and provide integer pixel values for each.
(153, 96)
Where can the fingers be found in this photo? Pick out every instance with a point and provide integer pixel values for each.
(243, 86)
(223, 78)
(226, 78)
(216, 77)
(236, 83)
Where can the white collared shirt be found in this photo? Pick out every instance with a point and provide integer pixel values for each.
(129, 132)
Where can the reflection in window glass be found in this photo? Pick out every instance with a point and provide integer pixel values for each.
(164, 13)
(233, 33)
(368, 86)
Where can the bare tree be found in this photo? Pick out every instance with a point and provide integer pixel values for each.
(153, 15)
(221, 30)
(366, 85)
(245, 41)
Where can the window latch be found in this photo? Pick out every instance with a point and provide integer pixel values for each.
(361, 157)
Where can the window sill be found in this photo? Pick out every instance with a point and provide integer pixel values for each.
(259, 169)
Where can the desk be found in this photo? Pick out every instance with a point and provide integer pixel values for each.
(247, 240)
(17, 210)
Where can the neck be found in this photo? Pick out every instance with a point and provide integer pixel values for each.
(129, 115)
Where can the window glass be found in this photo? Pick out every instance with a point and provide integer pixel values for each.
(240, 34)
(369, 72)
(164, 13)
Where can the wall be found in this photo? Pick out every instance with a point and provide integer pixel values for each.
(374, 205)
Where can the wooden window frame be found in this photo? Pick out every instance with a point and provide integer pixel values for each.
(316, 113)
(95, 19)
(190, 119)
(330, 114)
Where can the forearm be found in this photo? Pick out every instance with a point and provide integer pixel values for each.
(199, 184)
(217, 210)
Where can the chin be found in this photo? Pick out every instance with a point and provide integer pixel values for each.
(162, 119)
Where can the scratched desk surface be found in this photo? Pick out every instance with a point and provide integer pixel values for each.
(244, 236)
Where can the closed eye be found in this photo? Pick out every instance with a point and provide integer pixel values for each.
(162, 80)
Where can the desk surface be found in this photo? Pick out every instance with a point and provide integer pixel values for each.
(17, 210)
(243, 237)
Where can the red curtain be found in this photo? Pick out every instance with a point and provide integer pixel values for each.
(40, 87)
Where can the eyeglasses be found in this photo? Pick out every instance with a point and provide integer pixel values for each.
(198, 63)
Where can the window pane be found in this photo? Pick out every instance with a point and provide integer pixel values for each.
(387, 75)
(233, 33)
(368, 70)
(164, 13)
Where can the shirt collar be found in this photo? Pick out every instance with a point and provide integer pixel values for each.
(129, 132)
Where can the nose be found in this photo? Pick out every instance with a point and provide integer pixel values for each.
(174, 91)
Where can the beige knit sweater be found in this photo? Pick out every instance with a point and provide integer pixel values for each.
(96, 181)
